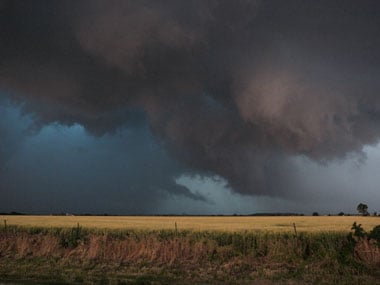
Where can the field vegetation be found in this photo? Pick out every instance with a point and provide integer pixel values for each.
(194, 255)
(205, 223)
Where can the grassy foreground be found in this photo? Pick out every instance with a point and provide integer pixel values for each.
(136, 256)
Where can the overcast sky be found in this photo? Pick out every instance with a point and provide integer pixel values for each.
(197, 107)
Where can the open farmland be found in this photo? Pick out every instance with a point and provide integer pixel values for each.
(226, 223)
(184, 250)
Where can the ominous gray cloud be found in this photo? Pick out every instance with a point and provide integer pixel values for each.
(62, 169)
(13, 129)
(230, 88)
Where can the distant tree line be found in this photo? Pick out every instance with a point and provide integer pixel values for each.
(361, 208)
(12, 214)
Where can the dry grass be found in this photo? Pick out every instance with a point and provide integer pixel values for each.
(368, 252)
(272, 224)
(99, 256)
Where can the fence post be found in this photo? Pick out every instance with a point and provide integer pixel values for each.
(295, 229)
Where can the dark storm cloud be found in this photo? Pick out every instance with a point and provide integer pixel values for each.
(61, 169)
(232, 88)
(13, 129)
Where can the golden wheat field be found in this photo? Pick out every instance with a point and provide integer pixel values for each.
(273, 224)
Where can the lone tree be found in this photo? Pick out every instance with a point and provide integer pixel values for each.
(363, 209)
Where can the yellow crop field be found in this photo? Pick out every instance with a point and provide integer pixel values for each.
(273, 224)
(213, 250)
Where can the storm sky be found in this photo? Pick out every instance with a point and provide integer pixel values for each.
(197, 107)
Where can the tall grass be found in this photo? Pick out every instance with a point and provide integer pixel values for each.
(222, 255)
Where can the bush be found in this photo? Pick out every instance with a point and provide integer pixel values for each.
(375, 234)
(71, 238)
